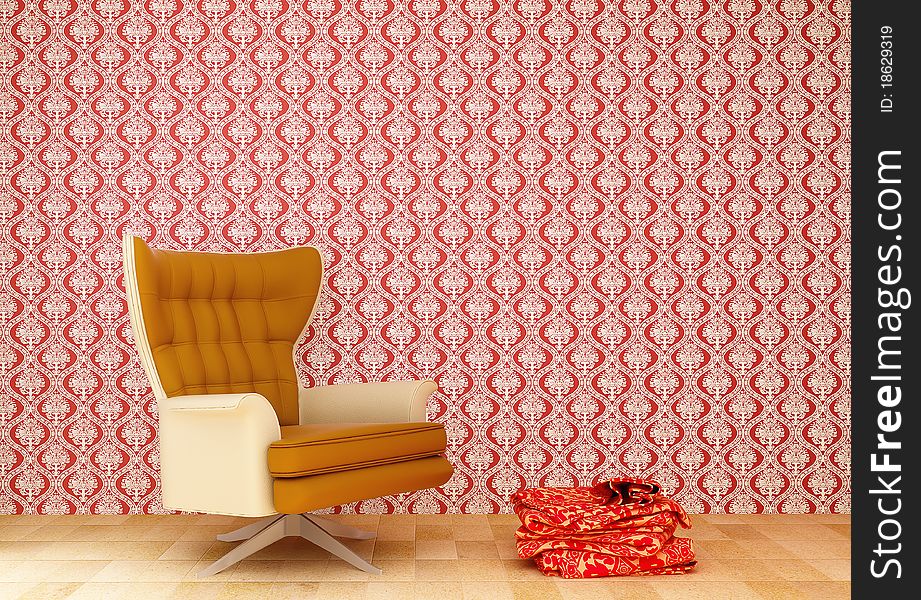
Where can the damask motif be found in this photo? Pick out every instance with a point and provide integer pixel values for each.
(615, 232)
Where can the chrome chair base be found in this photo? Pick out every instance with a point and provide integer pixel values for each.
(312, 528)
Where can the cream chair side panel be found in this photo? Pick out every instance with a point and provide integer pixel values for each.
(137, 318)
(385, 402)
(213, 454)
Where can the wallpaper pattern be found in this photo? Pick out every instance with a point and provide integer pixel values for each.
(616, 233)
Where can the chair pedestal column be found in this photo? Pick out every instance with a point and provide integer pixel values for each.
(316, 530)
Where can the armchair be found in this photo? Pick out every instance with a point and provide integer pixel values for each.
(216, 335)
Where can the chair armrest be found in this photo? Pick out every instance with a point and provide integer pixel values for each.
(205, 402)
(386, 402)
(213, 453)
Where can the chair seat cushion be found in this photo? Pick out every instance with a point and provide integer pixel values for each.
(295, 495)
(331, 447)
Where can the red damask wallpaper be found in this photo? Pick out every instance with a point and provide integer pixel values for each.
(616, 233)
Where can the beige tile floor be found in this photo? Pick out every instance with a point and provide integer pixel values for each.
(445, 557)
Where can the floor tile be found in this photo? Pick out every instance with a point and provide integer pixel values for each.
(741, 532)
(18, 571)
(228, 521)
(798, 519)
(107, 591)
(185, 551)
(389, 590)
(801, 590)
(168, 570)
(438, 570)
(163, 532)
(147, 520)
(504, 519)
(121, 571)
(477, 529)
(826, 590)
(482, 570)
(500, 531)
(818, 549)
(535, 590)
(840, 529)
(522, 570)
(64, 550)
(437, 590)
(442, 557)
(705, 531)
(295, 591)
(724, 590)
(796, 570)
(800, 532)
(716, 519)
(45, 591)
(292, 548)
(63, 570)
(469, 520)
(224, 575)
(248, 590)
(256, 570)
(198, 590)
(23, 550)
(395, 570)
(102, 533)
(397, 532)
(469, 549)
(435, 550)
(631, 588)
(339, 570)
(434, 532)
(507, 549)
(361, 521)
(487, 590)
(37, 520)
(203, 533)
(726, 569)
(776, 590)
(835, 569)
(104, 519)
(707, 549)
(54, 533)
(15, 533)
(750, 549)
(13, 590)
(397, 520)
(299, 571)
(341, 590)
(390, 550)
(218, 549)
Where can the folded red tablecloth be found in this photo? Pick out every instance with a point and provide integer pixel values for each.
(617, 527)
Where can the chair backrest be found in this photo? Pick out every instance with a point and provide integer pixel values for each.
(210, 323)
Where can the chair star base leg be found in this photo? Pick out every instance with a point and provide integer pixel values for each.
(341, 530)
(317, 533)
(244, 533)
(314, 529)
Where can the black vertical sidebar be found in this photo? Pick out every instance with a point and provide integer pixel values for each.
(886, 61)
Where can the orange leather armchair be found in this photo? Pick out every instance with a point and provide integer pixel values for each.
(216, 334)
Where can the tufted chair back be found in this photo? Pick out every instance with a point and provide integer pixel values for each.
(209, 323)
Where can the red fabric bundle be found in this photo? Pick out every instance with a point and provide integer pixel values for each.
(618, 527)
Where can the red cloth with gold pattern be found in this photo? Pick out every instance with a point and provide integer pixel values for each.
(618, 527)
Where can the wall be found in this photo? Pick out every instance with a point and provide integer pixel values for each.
(617, 234)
